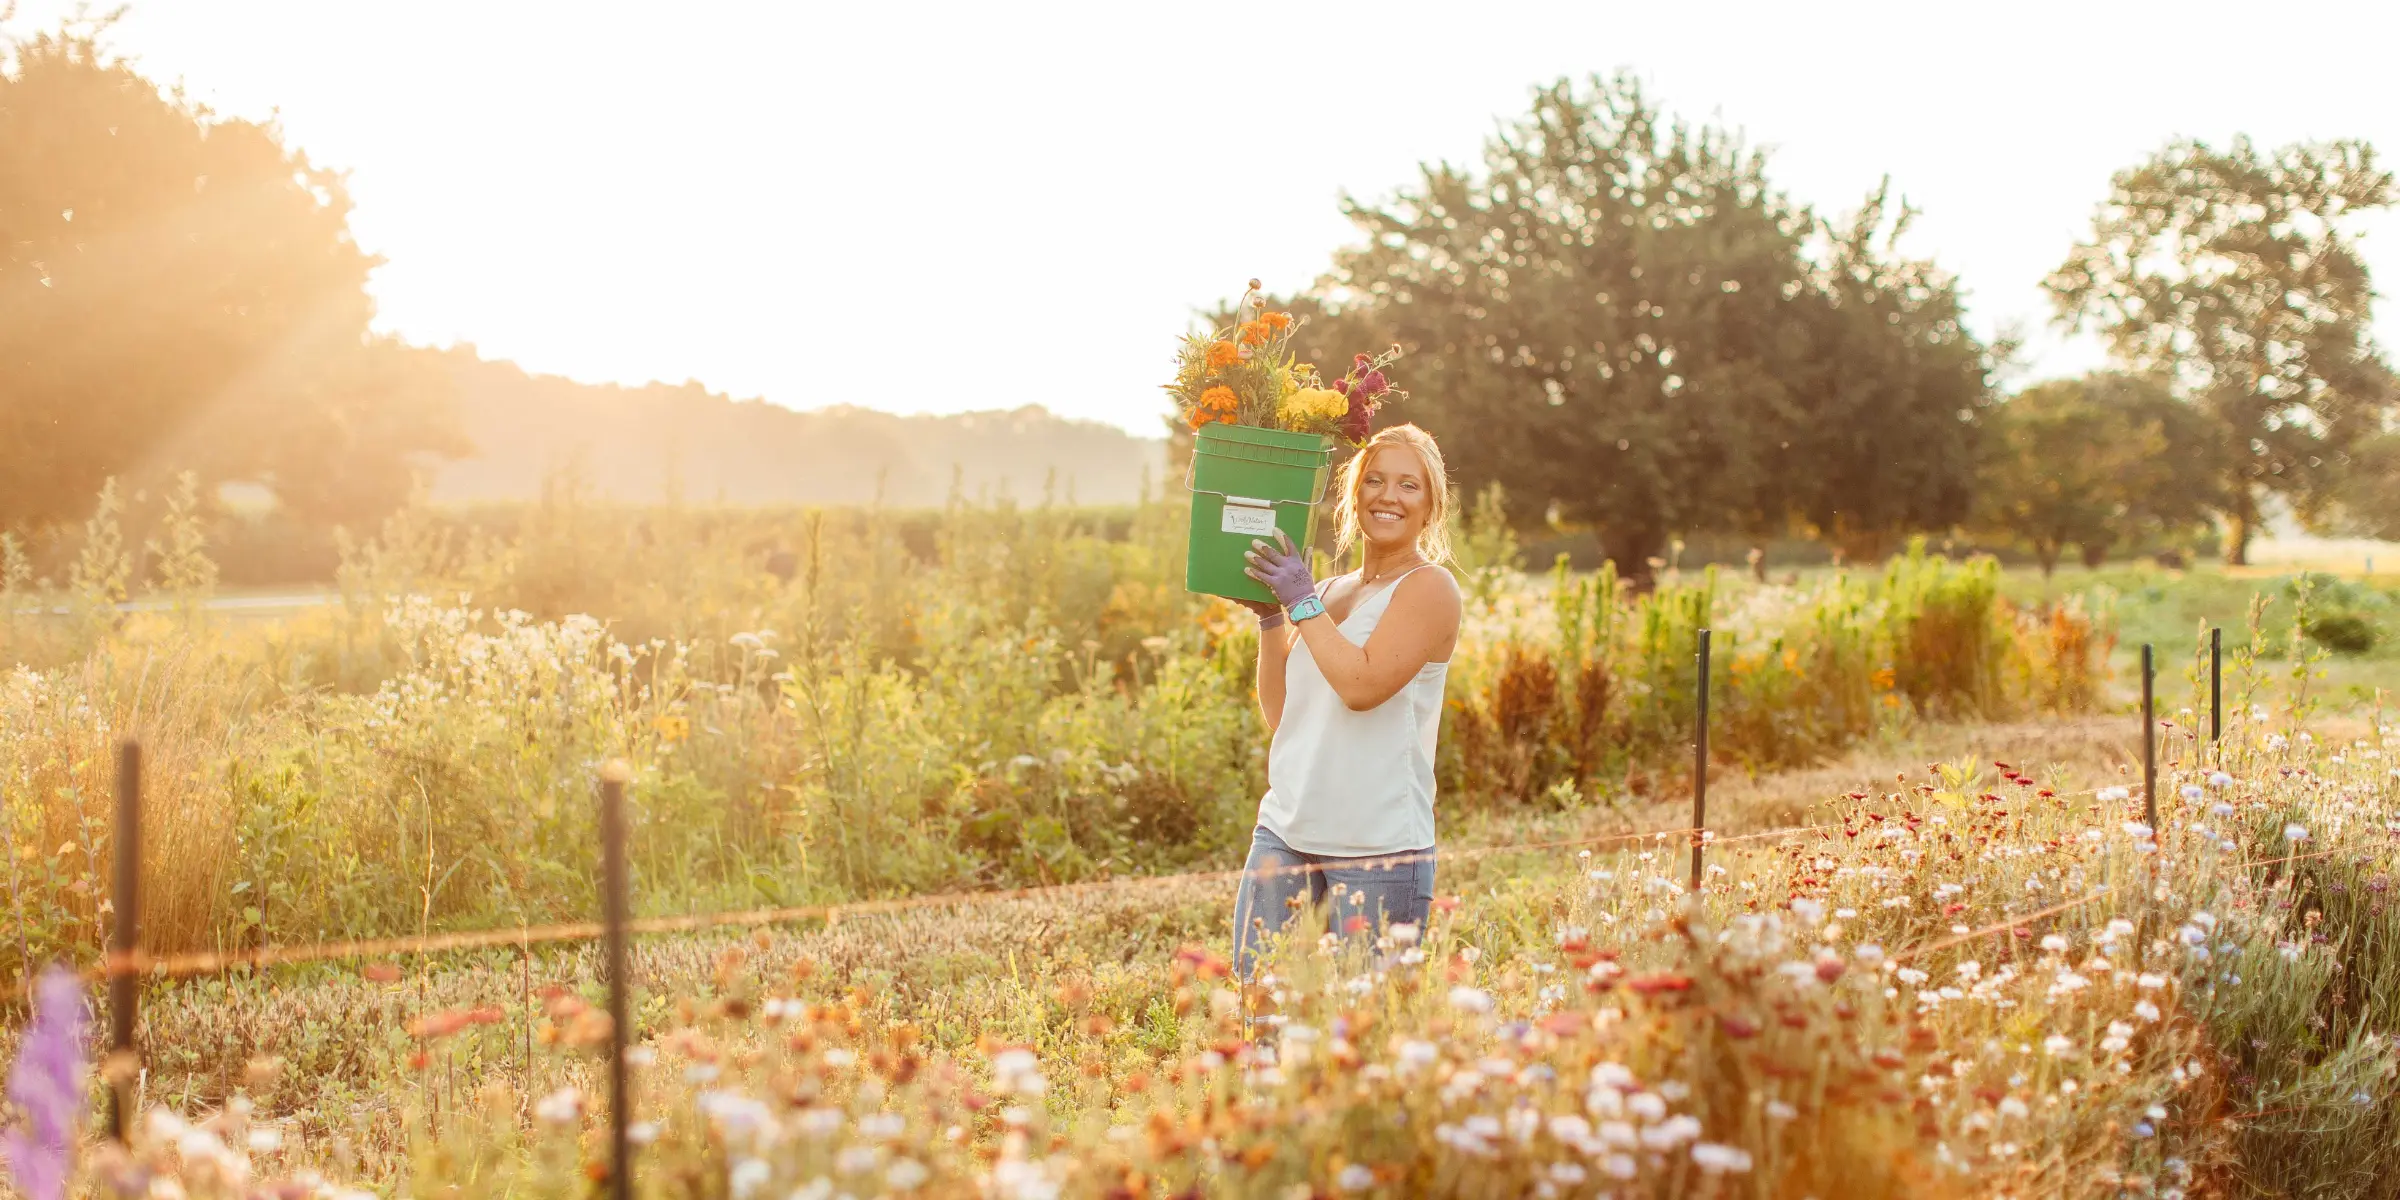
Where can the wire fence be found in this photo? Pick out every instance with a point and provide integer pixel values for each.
(126, 963)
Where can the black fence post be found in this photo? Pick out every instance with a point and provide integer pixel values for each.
(124, 943)
(1700, 768)
(2149, 743)
(2216, 684)
(612, 900)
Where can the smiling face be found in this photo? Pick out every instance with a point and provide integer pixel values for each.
(1394, 498)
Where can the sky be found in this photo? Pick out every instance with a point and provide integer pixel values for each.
(949, 207)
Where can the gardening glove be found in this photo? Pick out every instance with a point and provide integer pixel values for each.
(1283, 568)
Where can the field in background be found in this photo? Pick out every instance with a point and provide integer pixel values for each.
(838, 704)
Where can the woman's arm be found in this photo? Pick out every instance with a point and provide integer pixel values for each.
(1274, 649)
(1419, 627)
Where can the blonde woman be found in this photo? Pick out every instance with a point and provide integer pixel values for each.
(1350, 678)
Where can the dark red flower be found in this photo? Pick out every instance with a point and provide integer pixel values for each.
(1374, 384)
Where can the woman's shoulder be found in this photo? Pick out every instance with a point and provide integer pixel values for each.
(1431, 585)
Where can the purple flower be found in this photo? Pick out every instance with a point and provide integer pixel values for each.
(47, 1085)
(1374, 384)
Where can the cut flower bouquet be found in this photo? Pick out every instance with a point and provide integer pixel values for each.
(1250, 375)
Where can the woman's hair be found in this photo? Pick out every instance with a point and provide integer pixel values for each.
(1433, 541)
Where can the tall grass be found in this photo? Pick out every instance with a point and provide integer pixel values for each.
(837, 703)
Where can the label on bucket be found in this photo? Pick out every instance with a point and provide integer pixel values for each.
(1244, 515)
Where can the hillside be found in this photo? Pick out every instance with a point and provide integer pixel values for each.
(642, 444)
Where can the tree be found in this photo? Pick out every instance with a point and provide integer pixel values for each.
(182, 292)
(1882, 432)
(1618, 319)
(2094, 461)
(2232, 275)
(2368, 498)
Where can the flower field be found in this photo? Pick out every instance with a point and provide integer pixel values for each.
(1973, 979)
(1972, 983)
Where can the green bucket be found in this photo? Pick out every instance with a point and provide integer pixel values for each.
(1247, 483)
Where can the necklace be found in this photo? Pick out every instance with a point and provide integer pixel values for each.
(1377, 577)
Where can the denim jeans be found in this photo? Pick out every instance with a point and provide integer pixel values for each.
(1373, 888)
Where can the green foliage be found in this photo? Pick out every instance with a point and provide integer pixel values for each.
(2233, 274)
(185, 571)
(2341, 632)
(1622, 320)
(2095, 462)
(103, 571)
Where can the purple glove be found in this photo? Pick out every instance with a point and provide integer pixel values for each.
(1284, 570)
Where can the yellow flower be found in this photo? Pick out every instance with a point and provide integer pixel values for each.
(673, 727)
(1313, 404)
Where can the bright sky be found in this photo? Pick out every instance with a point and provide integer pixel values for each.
(927, 207)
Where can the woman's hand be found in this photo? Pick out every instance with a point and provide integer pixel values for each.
(1283, 568)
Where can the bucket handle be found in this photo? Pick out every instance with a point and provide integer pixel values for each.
(1324, 485)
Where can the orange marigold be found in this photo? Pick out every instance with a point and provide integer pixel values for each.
(1219, 399)
(1256, 333)
(1276, 321)
(1223, 354)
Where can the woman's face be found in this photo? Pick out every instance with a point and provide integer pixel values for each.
(1394, 498)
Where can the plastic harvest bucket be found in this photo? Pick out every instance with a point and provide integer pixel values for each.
(1246, 483)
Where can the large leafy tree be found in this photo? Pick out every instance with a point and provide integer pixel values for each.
(182, 291)
(1617, 319)
(1881, 432)
(2092, 462)
(2233, 276)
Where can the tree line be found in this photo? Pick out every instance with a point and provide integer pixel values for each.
(1621, 319)
(1616, 315)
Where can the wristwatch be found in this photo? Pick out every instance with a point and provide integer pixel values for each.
(1309, 606)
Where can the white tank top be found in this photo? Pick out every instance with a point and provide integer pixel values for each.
(1352, 783)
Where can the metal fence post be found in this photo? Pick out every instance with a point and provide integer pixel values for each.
(612, 900)
(1700, 768)
(2216, 684)
(124, 943)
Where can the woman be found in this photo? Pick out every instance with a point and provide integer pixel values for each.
(1350, 680)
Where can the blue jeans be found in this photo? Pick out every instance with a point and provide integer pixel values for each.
(1373, 887)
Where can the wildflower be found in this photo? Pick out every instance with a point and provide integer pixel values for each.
(1649, 1106)
(2218, 779)
(1354, 1178)
(2145, 1010)
(907, 1174)
(2192, 793)
(1308, 405)
(1222, 355)
(1777, 1110)
(1719, 1159)
(748, 1175)
(46, 1084)
(562, 1107)
(2220, 809)
(2295, 832)
(2057, 1044)
(1474, 1000)
(1868, 954)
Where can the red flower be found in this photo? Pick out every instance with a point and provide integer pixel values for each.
(1374, 384)
(1664, 981)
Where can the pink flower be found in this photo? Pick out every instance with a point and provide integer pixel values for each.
(47, 1086)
